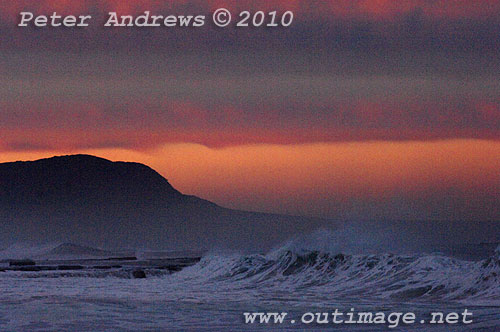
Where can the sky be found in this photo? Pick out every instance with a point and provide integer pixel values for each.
(360, 110)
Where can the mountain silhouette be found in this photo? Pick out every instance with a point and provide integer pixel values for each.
(93, 201)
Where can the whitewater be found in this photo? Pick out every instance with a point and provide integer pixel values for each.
(213, 294)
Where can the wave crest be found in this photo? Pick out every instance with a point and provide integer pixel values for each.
(381, 276)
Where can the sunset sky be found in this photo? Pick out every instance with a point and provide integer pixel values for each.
(361, 109)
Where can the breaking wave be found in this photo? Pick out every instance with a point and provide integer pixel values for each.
(378, 276)
(327, 271)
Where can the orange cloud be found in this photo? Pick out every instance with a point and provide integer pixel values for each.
(143, 139)
(141, 124)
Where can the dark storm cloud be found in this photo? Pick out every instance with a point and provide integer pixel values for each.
(343, 71)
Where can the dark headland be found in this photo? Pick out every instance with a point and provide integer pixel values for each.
(93, 201)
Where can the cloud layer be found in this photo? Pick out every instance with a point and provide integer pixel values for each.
(361, 109)
(70, 101)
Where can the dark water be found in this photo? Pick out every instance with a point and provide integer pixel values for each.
(213, 294)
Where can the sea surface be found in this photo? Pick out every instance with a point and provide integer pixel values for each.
(212, 295)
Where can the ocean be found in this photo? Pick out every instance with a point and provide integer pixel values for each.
(215, 293)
